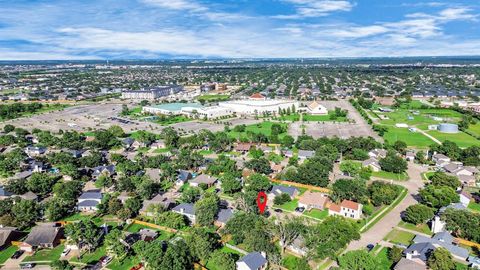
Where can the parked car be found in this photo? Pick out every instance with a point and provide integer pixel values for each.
(137, 267)
(17, 254)
(65, 252)
(27, 266)
(370, 247)
(278, 210)
(106, 260)
(300, 209)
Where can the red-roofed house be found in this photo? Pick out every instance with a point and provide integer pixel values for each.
(258, 96)
(346, 209)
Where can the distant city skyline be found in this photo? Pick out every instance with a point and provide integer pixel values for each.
(169, 29)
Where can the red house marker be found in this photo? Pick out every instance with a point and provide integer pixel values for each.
(261, 201)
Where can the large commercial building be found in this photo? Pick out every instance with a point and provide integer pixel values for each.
(153, 93)
(258, 104)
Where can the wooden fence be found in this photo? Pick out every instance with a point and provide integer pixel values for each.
(155, 226)
(309, 187)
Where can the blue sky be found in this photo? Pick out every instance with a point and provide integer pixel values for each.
(144, 29)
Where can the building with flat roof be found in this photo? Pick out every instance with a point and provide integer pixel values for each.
(258, 105)
(152, 93)
(174, 108)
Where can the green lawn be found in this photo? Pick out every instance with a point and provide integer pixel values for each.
(460, 266)
(390, 175)
(399, 237)
(475, 129)
(290, 117)
(127, 263)
(474, 206)
(81, 216)
(169, 120)
(210, 266)
(290, 261)
(213, 97)
(413, 139)
(91, 258)
(263, 128)
(462, 139)
(422, 228)
(384, 261)
(427, 175)
(289, 206)
(205, 152)
(315, 213)
(7, 253)
(46, 254)
(321, 118)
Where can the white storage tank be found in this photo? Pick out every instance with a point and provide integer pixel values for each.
(448, 128)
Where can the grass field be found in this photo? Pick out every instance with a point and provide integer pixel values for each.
(399, 237)
(475, 129)
(390, 175)
(414, 139)
(7, 253)
(169, 120)
(263, 128)
(321, 118)
(318, 214)
(289, 206)
(422, 228)
(46, 255)
(127, 263)
(383, 260)
(462, 139)
(474, 206)
(213, 98)
(91, 258)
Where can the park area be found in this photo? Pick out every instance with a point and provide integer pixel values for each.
(416, 119)
(264, 128)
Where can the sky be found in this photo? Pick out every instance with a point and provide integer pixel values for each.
(171, 29)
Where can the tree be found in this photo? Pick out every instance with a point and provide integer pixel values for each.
(288, 230)
(260, 165)
(57, 208)
(257, 182)
(116, 131)
(8, 128)
(400, 146)
(230, 184)
(84, 232)
(40, 183)
(437, 197)
(358, 260)
(346, 189)
(333, 234)
(104, 181)
(420, 157)
(287, 141)
(223, 261)
(206, 209)
(172, 220)
(177, 257)
(395, 254)
(281, 199)
(350, 168)
(240, 224)
(418, 214)
(314, 171)
(190, 195)
(462, 223)
(443, 179)
(393, 163)
(25, 213)
(383, 193)
(202, 243)
(113, 245)
(150, 253)
(61, 265)
(170, 136)
(441, 259)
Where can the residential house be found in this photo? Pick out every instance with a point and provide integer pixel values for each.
(276, 168)
(153, 174)
(42, 236)
(37, 166)
(29, 196)
(4, 193)
(377, 153)
(123, 197)
(440, 159)
(451, 167)
(148, 235)
(103, 170)
(203, 179)
(182, 177)
(128, 142)
(304, 154)
(316, 108)
(243, 147)
(468, 180)
(223, 216)
(406, 264)
(466, 170)
(287, 153)
(89, 201)
(346, 208)
(159, 144)
(465, 198)
(410, 156)
(77, 153)
(165, 202)
(186, 209)
(422, 246)
(474, 262)
(7, 235)
(298, 246)
(253, 261)
(34, 151)
(278, 190)
(372, 164)
(315, 200)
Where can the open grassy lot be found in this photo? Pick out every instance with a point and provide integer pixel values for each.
(290, 261)
(390, 175)
(322, 118)
(318, 214)
(384, 261)
(81, 216)
(127, 263)
(413, 139)
(399, 237)
(422, 228)
(169, 120)
(289, 206)
(474, 206)
(263, 128)
(91, 258)
(209, 98)
(475, 129)
(462, 139)
(7, 253)
(46, 255)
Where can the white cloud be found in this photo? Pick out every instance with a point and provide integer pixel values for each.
(177, 5)
(315, 8)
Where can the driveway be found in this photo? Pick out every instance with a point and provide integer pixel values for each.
(375, 234)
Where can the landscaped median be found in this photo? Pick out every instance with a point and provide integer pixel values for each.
(375, 218)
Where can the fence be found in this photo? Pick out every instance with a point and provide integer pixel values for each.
(309, 187)
(155, 226)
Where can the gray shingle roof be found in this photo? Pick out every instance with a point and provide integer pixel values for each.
(443, 239)
(88, 203)
(277, 190)
(224, 215)
(96, 195)
(43, 234)
(254, 260)
(187, 208)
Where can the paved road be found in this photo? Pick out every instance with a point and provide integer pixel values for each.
(385, 225)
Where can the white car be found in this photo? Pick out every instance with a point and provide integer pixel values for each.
(65, 252)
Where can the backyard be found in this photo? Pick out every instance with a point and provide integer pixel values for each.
(399, 237)
(391, 175)
(46, 255)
